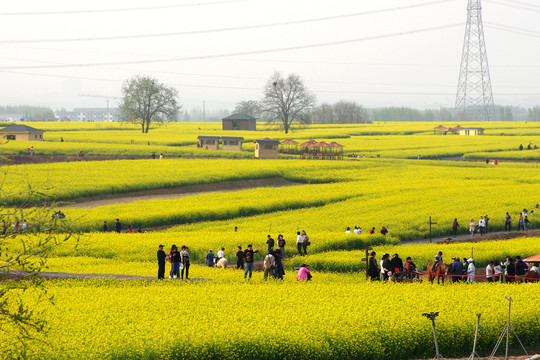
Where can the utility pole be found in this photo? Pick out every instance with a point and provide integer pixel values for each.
(203, 111)
(474, 98)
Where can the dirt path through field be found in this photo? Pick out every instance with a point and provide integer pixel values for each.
(174, 193)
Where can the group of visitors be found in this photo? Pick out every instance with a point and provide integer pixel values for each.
(358, 230)
(17, 225)
(118, 227)
(509, 271)
(391, 268)
(461, 269)
(529, 147)
(482, 226)
(179, 262)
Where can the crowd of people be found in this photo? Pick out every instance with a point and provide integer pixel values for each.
(358, 230)
(118, 227)
(461, 269)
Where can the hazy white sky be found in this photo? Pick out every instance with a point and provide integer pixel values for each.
(365, 58)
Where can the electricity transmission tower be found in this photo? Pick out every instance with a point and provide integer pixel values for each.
(474, 99)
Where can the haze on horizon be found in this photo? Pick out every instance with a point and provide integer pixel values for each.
(377, 53)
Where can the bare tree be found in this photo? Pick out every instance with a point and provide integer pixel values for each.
(286, 100)
(347, 112)
(145, 101)
(322, 114)
(248, 107)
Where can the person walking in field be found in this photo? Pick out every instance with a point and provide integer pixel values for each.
(507, 222)
(455, 226)
(396, 264)
(486, 221)
(497, 269)
(161, 262)
(209, 260)
(4, 227)
(526, 223)
(117, 226)
(105, 227)
(472, 227)
(249, 255)
(268, 264)
(299, 242)
(184, 258)
(521, 224)
(281, 244)
(481, 225)
(239, 258)
(270, 242)
(305, 241)
(372, 231)
(373, 269)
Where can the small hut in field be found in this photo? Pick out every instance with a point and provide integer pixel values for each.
(22, 133)
(266, 149)
(231, 143)
(208, 142)
(471, 131)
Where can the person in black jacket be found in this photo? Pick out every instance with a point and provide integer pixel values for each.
(105, 227)
(239, 258)
(279, 271)
(270, 243)
(396, 263)
(373, 268)
(161, 262)
(520, 268)
(117, 226)
(281, 244)
(510, 269)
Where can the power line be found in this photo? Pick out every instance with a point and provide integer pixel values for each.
(522, 7)
(234, 28)
(240, 53)
(143, 8)
(315, 91)
(513, 29)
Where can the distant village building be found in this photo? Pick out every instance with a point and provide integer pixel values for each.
(239, 122)
(231, 143)
(471, 131)
(89, 114)
(266, 149)
(11, 117)
(208, 142)
(21, 133)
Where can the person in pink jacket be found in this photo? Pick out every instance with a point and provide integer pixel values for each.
(303, 273)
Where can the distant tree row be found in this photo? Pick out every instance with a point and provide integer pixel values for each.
(28, 112)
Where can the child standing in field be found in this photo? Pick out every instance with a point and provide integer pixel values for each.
(281, 244)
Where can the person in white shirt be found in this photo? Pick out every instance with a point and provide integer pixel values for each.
(471, 269)
(268, 264)
(348, 231)
(359, 230)
(481, 225)
(489, 271)
(299, 242)
(221, 253)
(24, 225)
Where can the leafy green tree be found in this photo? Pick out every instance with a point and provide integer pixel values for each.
(146, 101)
